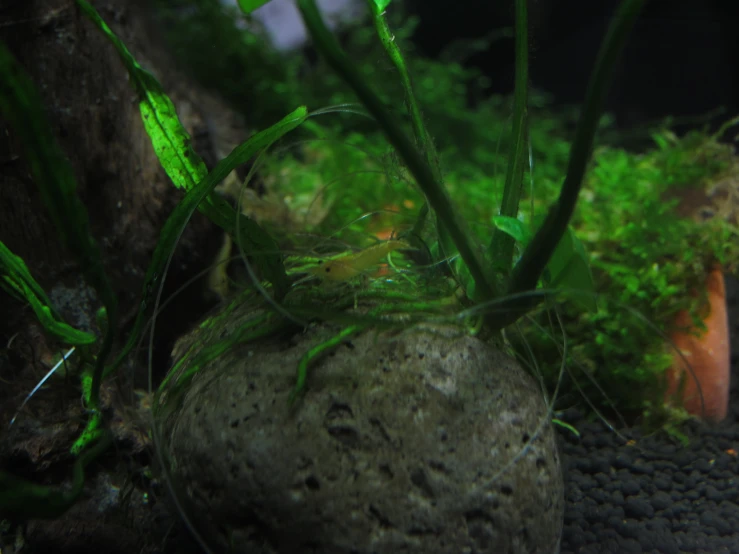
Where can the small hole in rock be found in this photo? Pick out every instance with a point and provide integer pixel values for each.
(506, 490)
(420, 479)
(346, 434)
(339, 410)
(312, 483)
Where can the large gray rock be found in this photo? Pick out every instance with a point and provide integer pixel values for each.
(424, 441)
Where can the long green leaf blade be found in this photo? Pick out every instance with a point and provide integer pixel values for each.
(21, 499)
(194, 198)
(17, 280)
(501, 245)
(185, 168)
(535, 258)
(171, 141)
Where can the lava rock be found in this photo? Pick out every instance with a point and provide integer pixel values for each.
(423, 441)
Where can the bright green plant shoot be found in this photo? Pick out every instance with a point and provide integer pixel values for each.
(17, 281)
(248, 6)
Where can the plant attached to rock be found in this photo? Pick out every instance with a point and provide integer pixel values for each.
(441, 266)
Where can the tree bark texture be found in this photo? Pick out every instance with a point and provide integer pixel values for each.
(94, 114)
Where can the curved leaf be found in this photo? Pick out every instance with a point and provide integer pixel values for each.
(248, 6)
(515, 228)
(185, 168)
(193, 199)
(17, 281)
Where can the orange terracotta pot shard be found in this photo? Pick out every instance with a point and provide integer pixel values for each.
(709, 357)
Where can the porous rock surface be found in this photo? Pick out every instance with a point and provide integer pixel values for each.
(423, 441)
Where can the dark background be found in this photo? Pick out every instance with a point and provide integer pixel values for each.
(681, 60)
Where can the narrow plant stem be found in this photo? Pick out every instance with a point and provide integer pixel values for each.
(312, 354)
(437, 196)
(423, 138)
(26, 500)
(502, 245)
(529, 268)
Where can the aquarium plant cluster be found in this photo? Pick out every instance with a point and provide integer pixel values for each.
(447, 221)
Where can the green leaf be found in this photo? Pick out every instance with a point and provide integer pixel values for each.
(254, 240)
(561, 257)
(21, 499)
(172, 145)
(514, 227)
(501, 246)
(194, 198)
(248, 6)
(567, 426)
(381, 4)
(52, 173)
(569, 269)
(577, 278)
(18, 282)
(171, 141)
(537, 254)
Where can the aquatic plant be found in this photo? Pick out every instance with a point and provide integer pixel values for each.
(644, 255)
(21, 106)
(440, 270)
(187, 171)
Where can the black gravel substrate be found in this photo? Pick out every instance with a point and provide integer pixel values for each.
(655, 496)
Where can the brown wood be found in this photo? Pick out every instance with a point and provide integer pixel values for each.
(94, 114)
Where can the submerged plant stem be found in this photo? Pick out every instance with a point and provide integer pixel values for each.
(313, 353)
(502, 244)
(436, 195)
(23, 499)
(423, 138)
(529, 268)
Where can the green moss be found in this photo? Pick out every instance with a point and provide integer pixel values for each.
(346, 183)
(647, 259)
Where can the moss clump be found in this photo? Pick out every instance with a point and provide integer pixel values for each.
(647, 257)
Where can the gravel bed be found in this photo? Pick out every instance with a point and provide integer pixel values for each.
(655, 495)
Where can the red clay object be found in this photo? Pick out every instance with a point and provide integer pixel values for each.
(708, 355)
